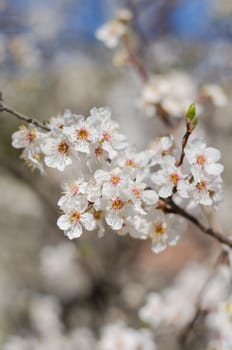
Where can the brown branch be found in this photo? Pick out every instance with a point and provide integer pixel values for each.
(172, 207)
(184, 144)
(191, 123)
(143, 74)
(133, 59)
(20, 116)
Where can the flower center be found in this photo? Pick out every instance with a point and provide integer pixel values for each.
(98, 151)
(136, 192)
(201, 185)
(74, 216)
(160, 228)
(31, 136)
(106, 136)
(201, 159)
(63, 147)
(174, 178)
(117, 204)
(130, 163)
(74, 189)
(115, 179)
(38, 156)
(82, 134)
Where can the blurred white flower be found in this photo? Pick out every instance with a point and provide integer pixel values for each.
(118, 336)
(215, 94)
(112, 32)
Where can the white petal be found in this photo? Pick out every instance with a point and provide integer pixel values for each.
(100, 175)
(214, 168)
(182, 188)
(82, 146)
(88, 221)
(49, 146)
(212, 154)
(158, 247)
(166, 190)
(57, 161)
(190, 155)
(205, 199)
(150, 197)
(18, 141)
(114, 220)
(63, 222)
(75, 231)
(81, 204)
(158, 178)
(108, 148)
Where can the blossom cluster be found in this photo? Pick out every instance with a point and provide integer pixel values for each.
(175, 306)
(172, 307)
(169, 95)
(165, 95)
(219, 324)
(44, 315)
(113, 31)
(116, 185)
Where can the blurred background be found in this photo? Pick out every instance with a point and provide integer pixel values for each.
(49, 61)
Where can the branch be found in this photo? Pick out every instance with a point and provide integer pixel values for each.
(184, 143)
(191, 123)
(20, 116)
(172, 207)
(133, 59)
(223, 257)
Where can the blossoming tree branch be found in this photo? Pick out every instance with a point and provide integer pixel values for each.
(147, 194)
(133, 193)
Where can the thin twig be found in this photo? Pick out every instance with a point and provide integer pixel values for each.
(184, 144)
(143, 74)
(199, 311)
(134, 60)
(20, 116)
(172, 207)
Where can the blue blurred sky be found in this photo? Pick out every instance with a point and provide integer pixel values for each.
(187, 19)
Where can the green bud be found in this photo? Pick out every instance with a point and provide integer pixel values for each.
(191, 111)
(194, 122)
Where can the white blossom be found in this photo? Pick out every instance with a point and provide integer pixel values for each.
(75, 218)
(164, 230)
(112, 32)
(72, 191)
(215, 94)
(204, 157)
(169, 177)
(82, 134)
(58, 152)
(118, 336)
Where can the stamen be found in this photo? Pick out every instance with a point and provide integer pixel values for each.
(74, 216)
(117, 204)
(130, 163)
(82, 134)
(174, 178)
(201, 159)
(63, 147)
(115, 179)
